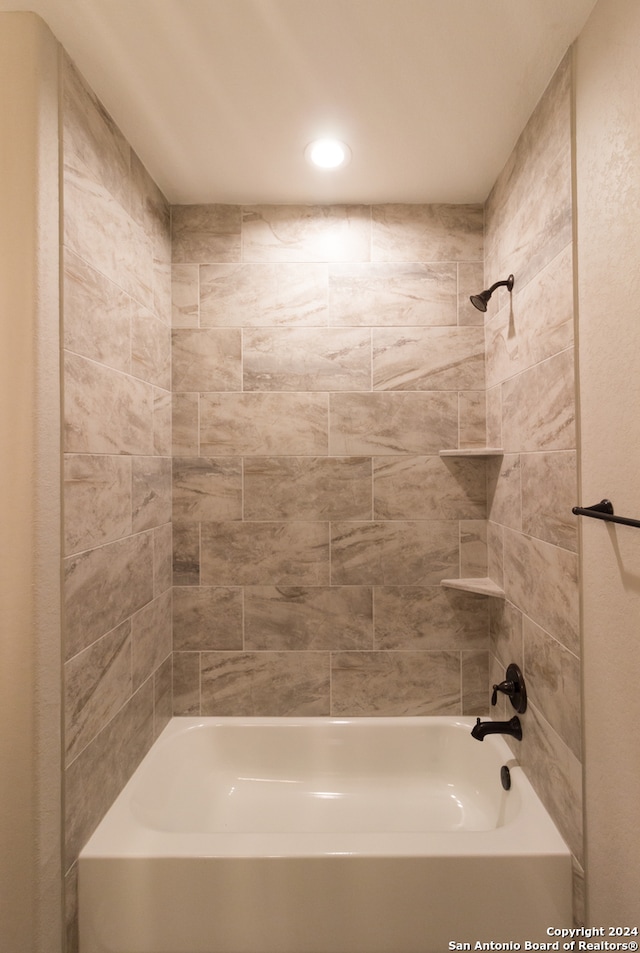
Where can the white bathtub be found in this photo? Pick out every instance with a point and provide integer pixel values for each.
(320, 835)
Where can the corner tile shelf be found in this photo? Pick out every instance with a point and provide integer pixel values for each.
(483, 586)
(474, 452)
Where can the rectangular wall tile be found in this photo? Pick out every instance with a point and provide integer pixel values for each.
(151, 642)
(299, 618)
(392, 295)
(201, 233)
(104, 586)
(207, 618)
(393, 553)
(263, 424)
(542, 580)
(265, 683)
(263, 294)
(207, 488)
(549, 488)
(429, 617)
(427, 232)
(307, 488)
(428, 359)
(395, 683)
(97, 684)
(392, 423)
(429, 487)
(309, 233)
(105, 411)
(253, 554)
(97, 500)
(307, 359)
(206, 359)
(538, 407)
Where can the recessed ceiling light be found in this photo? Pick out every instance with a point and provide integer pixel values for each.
(327, 153)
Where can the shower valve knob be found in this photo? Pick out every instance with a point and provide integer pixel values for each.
(514, 687)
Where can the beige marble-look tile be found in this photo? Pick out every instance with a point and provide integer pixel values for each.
(311, 233)
(207, 488)
(185, 424)
(105, 411)
(549, 491)
(392, 423)
(472, 419)
(429, 617)
(161, 306)
(205, 233)
(303, 618)
(206, 359)
(97, 500)
(186, 683)
(151, 492)
(263, 424)
(104, 586)
(427, 233)
(494, 416)
(307, 488)
(538, 407)
(162, 558)
(388, 294)
(402, 552)
(553, 683)
(263, 294)
(542, 580)
(395, 683)
(98, 774)
(428, 487)
(150, 348)
(470, 282)
(207, 618)
(150, 209)
(538, 325)
(151, 642)
(428, 359)
(307, 359)
(97, 315)
(274, 553)
(71, 910)
(161, 411)
(474, 560)
(265, 683)
(475, 683)
(92, 217)
(528, 212)
(185, 296)
(97, 684)
(91, 139)
(162, 692)
(506, 634)
(186, 554)
(555, 773)
(495, 552)
(504, 490)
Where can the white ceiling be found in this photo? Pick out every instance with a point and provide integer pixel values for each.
(220, 97)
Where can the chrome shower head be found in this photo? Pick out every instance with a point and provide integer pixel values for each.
(480, 301)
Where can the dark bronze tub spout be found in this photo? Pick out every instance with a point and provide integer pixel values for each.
(511, 727)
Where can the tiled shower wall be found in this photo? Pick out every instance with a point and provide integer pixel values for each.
(117, 467)
(322, 357)
(533, 546)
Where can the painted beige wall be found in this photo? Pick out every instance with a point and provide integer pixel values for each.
(608, 217)
(29, 490)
